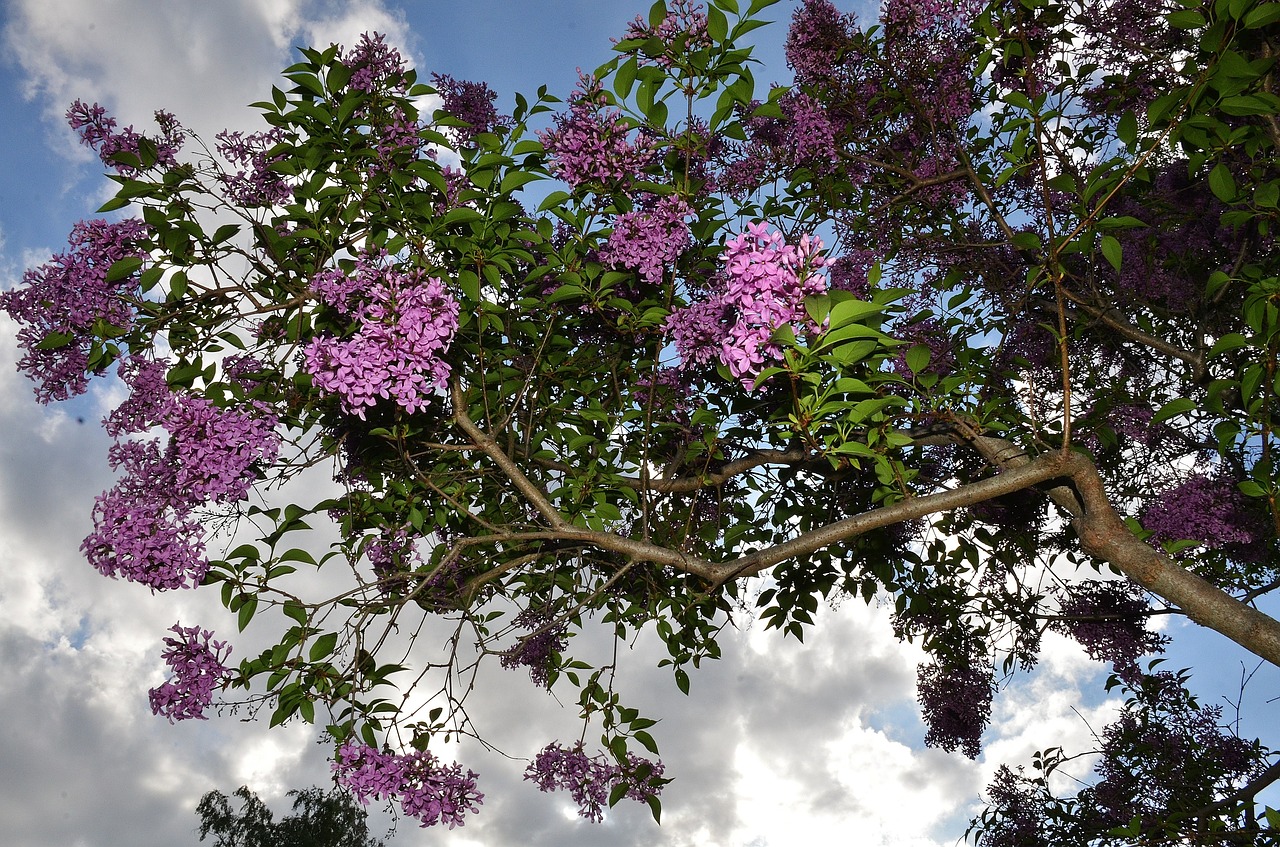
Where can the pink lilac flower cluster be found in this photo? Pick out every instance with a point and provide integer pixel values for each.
(1109, 619)
(145, 527)
(590, 779)
(591, 144)
(426, 789)
(682, 31)
(817, 41)
(956, 705)
(254, 183)
(97, 130)
(198, 666)
(471, 102)
(379, 69)
(62, 304)
(536, 650)
(649, 240)
(763, 287)
(404, 324)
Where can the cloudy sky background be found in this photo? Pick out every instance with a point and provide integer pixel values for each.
(778, 744)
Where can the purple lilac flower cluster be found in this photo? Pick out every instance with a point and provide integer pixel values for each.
(682, 31)
(63, 305)
(536, 650)
(254, 183)
(812, 133)
(817, 41)
(1209, 510)
(374, 64)
(198, 665)
(97, 130)
(591, 144)
(405, 322)
(392, 554)
(471, 102)
(763, 288)
(956, 705)
(1109, 619)
(590, 779)
(426, 789)
(648, 240)
(1167, 753)
(145, 529)
(1019, 813)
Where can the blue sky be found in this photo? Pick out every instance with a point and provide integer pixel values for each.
(779, 743)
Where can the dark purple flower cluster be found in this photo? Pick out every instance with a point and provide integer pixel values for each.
(254, 183)
(97, 130)
(404, 324)
(426, 789)
(145, 528)
(198, 666)
(471, 102)
(66, 305)
(1019, 815)
(591, 144)
(1166, 754)
(817, 41)
(1109, 619)
(538, 648)
(648, 240)
(956, 705)
(682, 31)
(811, 132)
(763, 288)
(590, 779)
(392, 554)
(1210, 510)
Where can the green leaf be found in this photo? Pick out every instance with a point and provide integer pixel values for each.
(1112, 250)
(1174, 408)
(1185, 19)
(625, 77)
(1264, 14)
(1222, 183)
(323, 646)
(123, 268)
(246, 610)
(296, 612)
(682, 680)
(1127, 130)
(918, 358)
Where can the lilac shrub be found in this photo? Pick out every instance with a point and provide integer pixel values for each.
(198, 665)
(122, 150)
(1209, 510)
(425, 788)
(590, 779)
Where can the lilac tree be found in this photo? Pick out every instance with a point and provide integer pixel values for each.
(978, 316)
